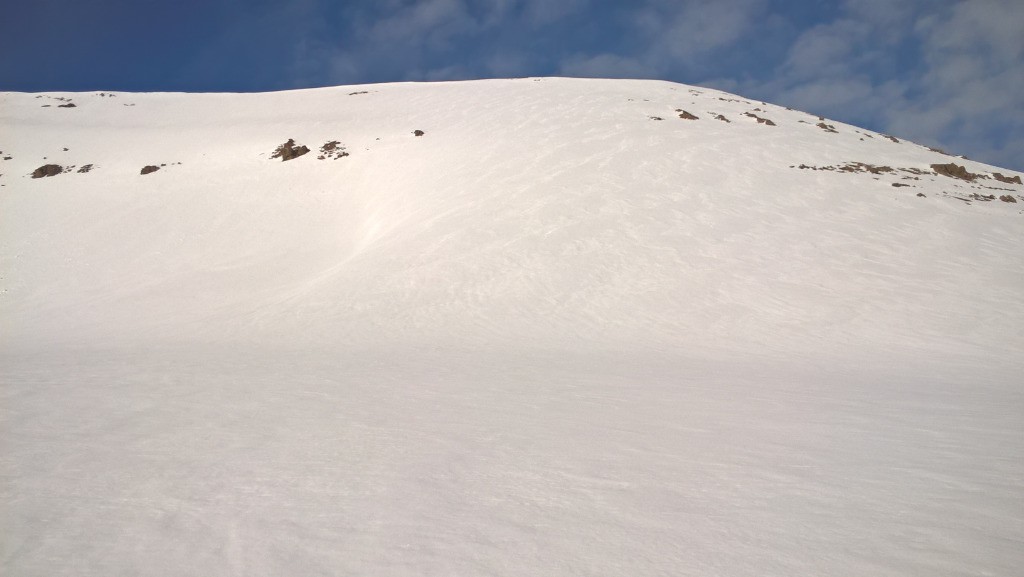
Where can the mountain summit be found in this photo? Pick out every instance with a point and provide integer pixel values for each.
(531, 326)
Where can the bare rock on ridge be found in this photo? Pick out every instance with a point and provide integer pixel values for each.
(954, 170)
(1007, 179)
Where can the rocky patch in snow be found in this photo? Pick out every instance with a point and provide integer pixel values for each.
(332, 150)
(939, 150)
(759, 119)
(153, 168)
(47, 170)
(856, 167)
(289, 150)
(67, 101)
(949, 170)
(954, 170)
(1007, 179)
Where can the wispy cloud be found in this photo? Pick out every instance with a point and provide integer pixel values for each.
(605, 66)
(943, 73)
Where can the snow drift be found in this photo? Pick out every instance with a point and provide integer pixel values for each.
(541, 326)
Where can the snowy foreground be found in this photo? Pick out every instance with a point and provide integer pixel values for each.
(562, 332)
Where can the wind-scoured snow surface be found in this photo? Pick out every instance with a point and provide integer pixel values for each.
(562, 332)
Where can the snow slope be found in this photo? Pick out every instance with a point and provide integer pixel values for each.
(564, 331)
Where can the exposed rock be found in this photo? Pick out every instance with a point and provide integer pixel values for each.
(898, 184)
(289, 150)
(655, 118)
(332, 149)
(1006, 179)
(759, 119)
(149, 169)
(854, 167)
(47, 170)
(360, 92)
(421, 133)
(892, 138)
(85, 168)
(68, 105)
(953, 170)
(687, 116)
(860, 166)
(1007, 198)
(921, 194)
(827, 127)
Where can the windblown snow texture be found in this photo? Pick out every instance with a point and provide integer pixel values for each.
(509, 327)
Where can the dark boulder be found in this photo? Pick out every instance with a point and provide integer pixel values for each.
(289, 150)
(954, 170)
(47, 170)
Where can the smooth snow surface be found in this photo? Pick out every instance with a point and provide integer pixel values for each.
(563, 332)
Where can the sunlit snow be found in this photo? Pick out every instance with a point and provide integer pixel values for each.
(565, 331)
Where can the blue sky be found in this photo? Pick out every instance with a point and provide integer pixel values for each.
(942, 72)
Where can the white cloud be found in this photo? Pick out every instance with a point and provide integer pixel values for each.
(508, 65)
(432, 21)
(541, 12)
(825, 50)
(685, 33)
(605, 66)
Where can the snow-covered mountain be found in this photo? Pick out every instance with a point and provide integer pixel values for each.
(534, 326)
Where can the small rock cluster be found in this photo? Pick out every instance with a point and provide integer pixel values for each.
(759, 120)
(332, 150)
(289, 151)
